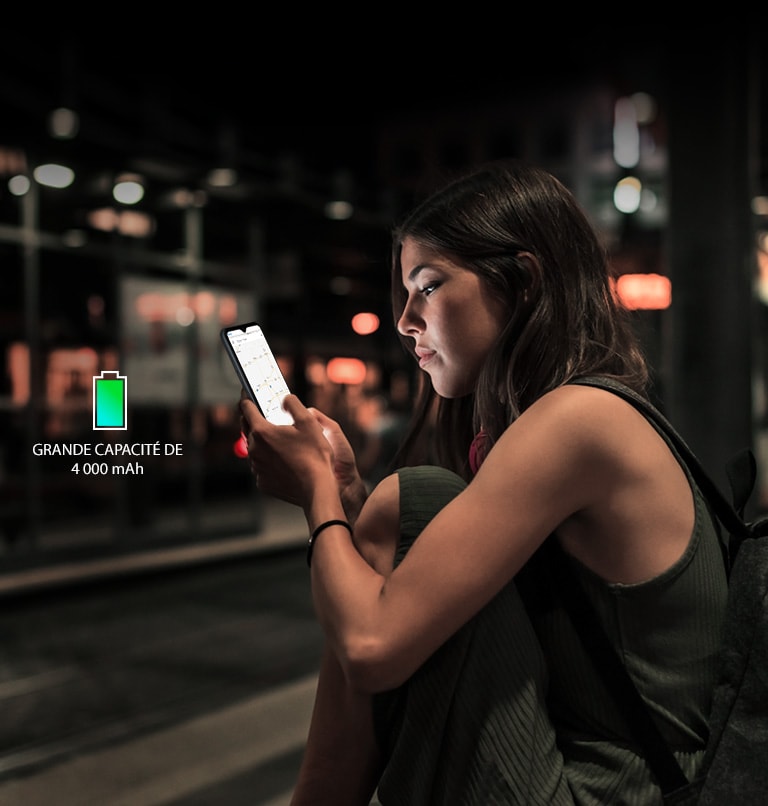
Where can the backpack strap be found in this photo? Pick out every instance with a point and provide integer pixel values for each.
(741, 469)
(742, 475)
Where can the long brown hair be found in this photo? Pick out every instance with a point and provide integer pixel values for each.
(524, 233)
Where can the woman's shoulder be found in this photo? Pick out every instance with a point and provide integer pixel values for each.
(577, 394)
(583, 438)
(573, 439)
(584, 413)
(633, 510)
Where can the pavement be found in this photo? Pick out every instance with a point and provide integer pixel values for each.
(283, 526)
(188, 688)
(221, 758)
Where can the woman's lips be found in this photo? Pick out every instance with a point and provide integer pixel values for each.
(424, 355)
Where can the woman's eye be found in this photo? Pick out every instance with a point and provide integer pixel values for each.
(428, 289)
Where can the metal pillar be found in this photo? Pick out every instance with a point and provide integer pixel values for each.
(30, 212)
(712, 152)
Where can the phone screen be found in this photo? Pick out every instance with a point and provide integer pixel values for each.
(258, 370)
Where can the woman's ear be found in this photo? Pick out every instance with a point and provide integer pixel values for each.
(533, 273)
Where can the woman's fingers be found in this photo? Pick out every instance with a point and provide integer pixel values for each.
(253, 418)
(295, 408)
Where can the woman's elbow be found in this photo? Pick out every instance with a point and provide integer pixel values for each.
(371, 665)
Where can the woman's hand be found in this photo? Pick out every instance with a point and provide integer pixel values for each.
(284, 457)
(287, 460)
(352, 489)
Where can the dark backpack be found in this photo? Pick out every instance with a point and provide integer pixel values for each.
(735, 767)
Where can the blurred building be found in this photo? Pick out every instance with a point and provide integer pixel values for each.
(277, 208)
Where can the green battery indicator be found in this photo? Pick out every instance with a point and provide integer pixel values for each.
(110, 401)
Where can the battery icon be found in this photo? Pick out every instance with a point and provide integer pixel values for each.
(110, 401)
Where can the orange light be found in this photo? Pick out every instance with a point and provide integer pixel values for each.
(365, 323)
(346, 370)
(644, 291)
(18, 369)
(162, 306)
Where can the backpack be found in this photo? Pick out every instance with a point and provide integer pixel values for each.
(735, 766)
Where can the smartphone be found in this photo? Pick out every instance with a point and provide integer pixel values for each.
(258, 370)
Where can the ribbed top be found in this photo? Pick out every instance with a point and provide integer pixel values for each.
(470, 727)
(668, 632)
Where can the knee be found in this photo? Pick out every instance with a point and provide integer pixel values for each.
(377, 529)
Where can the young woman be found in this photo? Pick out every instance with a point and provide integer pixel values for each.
(503, 294)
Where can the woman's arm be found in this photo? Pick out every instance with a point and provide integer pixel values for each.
(342, 762)
(382, 629)
(565, 456)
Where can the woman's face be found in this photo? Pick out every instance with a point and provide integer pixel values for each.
(452, 318)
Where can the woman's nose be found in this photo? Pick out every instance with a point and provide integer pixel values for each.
(408, 323)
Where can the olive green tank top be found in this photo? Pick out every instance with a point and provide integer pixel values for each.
(511, 710)
(667, 631)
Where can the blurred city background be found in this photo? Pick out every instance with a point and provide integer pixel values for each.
(152, 193)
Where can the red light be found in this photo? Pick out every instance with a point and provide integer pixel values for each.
(241, 447)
